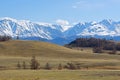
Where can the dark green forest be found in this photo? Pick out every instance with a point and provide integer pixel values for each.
(94, 42)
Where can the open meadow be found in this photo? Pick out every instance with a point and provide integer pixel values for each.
(59, 75)
(92, 66)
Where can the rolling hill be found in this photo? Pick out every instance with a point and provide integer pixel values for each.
(44, 49)
(30, 48)
(14, 50)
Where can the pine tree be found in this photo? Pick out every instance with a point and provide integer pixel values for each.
(60, 66)
(47, 66)
(18, 65)
(34, 63)
(24, 65)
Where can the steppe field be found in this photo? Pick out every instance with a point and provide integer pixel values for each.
(93, 66)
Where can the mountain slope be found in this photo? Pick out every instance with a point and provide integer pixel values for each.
(103, 28)
(27, 29)
(58, 34)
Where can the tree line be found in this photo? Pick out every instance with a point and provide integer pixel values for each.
(5, 38)
(94, 43)
(35, 65)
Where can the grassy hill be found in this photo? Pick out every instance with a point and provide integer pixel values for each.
(13, 51)
(30, 48)
(44, 49)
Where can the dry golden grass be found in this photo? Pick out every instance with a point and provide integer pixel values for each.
(13, 51)
(59, 75)
(29, 48)
(93, 66)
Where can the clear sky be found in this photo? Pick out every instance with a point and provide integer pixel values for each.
(57, 10)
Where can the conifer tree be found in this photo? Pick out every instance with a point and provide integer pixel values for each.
(34, 63)
(24, 65)
(18, 65)
(60, 66)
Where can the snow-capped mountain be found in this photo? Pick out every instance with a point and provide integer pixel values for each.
(58, 33)
(27, 29)
(103, 28)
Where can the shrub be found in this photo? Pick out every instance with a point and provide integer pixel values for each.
(5, 38)
(97, 50)
(47, 66)
(71, 66)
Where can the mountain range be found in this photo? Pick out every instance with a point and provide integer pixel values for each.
(59, 34)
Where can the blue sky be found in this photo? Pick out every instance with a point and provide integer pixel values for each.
(60, 10)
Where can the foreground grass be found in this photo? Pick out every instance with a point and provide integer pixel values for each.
(13, 51)
(58, 75)
(99, 66)
(10, 62)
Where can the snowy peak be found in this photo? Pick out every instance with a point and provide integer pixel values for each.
(55, 32)
(97, 29)
(8, 19)
(102, 28)
(25, 29)
(107, 21)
